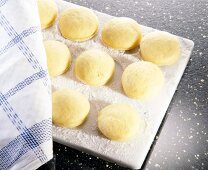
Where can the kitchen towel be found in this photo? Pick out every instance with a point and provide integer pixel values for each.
(25, 92)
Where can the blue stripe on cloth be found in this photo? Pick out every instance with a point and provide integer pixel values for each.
(23, 48)
(18, 38)
(10, 153)
(25, 133)
(29, 80)
(2, 2)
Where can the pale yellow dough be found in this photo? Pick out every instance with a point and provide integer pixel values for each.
(94, 67)
(122, 33)
(58, 57)
(70, 108)
(142, 80)
(119, 122)
(78, 24)
(48, 12)
(161, 48)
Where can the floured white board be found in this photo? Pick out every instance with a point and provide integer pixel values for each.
(86, 137)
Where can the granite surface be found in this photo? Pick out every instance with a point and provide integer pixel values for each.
(182, 142)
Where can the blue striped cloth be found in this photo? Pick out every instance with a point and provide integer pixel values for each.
(25, 91)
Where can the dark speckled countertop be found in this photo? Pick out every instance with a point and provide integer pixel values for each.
(183, 139)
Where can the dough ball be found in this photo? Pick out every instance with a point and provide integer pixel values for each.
(142, 80)
(161, 48)
(94, 67)
(78, 24)
(58, 57)
(119, 122)
(70, 108)
(121, 33)
(48, 12)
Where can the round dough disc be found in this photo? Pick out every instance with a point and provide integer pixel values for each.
(58, 57)
(122, 33)
(94, 67)
(48, 12)
(119, 122)
(142, 80)
(70, 108)
(78, 24)
(161, 48)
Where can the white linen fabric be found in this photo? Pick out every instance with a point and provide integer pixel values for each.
(25, 89)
